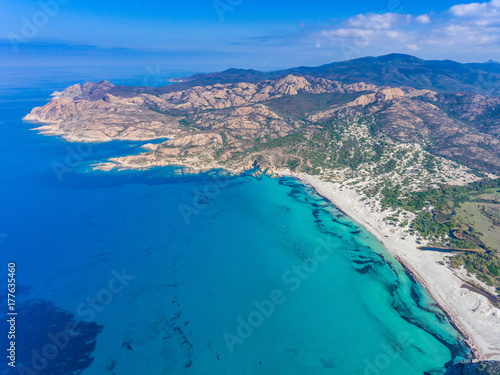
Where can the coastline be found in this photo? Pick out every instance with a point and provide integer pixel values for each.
(471, 314)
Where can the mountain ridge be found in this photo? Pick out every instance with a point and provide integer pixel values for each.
(387, 70)
(236, 116)
(404, 148)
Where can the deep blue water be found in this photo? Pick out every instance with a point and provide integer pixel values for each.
(149, 272)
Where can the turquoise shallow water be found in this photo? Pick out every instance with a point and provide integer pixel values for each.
(196, 275)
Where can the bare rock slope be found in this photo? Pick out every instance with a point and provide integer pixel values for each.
(229, 124)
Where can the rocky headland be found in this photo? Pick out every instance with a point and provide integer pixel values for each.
(393, 141)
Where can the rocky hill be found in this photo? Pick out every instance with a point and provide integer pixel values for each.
(393, 70)
(404, 70)
(277, 121)
(412, 137)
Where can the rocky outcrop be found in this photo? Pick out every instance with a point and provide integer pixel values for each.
(380, 97)
(88, 89)
(57, 110)
(195, 140)
(91, 112)
(219, 121)
(102, 120)
(231, 95)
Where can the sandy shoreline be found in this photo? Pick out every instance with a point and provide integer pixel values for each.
(472, 314)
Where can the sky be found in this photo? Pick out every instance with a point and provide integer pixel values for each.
(207, 35)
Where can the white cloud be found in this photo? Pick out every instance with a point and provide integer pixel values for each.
(393, 34)
(467, 30)
(348, 33)
(468, 9)
(463, 34)
(489, 9)
(374, 21)
(367, 27)
(424, 18)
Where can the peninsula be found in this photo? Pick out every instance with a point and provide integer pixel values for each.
(408, 148)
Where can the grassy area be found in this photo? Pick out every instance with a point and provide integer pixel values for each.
(448, 216)
(482, 213)
(468, 216)
(458, 211)
(485, 266)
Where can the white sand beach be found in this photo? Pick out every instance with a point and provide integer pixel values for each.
(473, 314)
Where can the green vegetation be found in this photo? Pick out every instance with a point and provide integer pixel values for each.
(351, 145)
(293, 163)
(481, 368)
(445, 201)
(462, 215)
(443, 213)
(333, 144)
(485, 266)
(219, 151)
(387, 167)
(428, 228)
(298, 106)
(441, 218)
(172, 112)
(185, 122)
(289, 141)
(483, 213)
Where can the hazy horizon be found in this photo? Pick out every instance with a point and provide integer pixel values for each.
(216, 35)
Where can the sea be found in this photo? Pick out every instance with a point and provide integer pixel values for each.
(162, 272)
